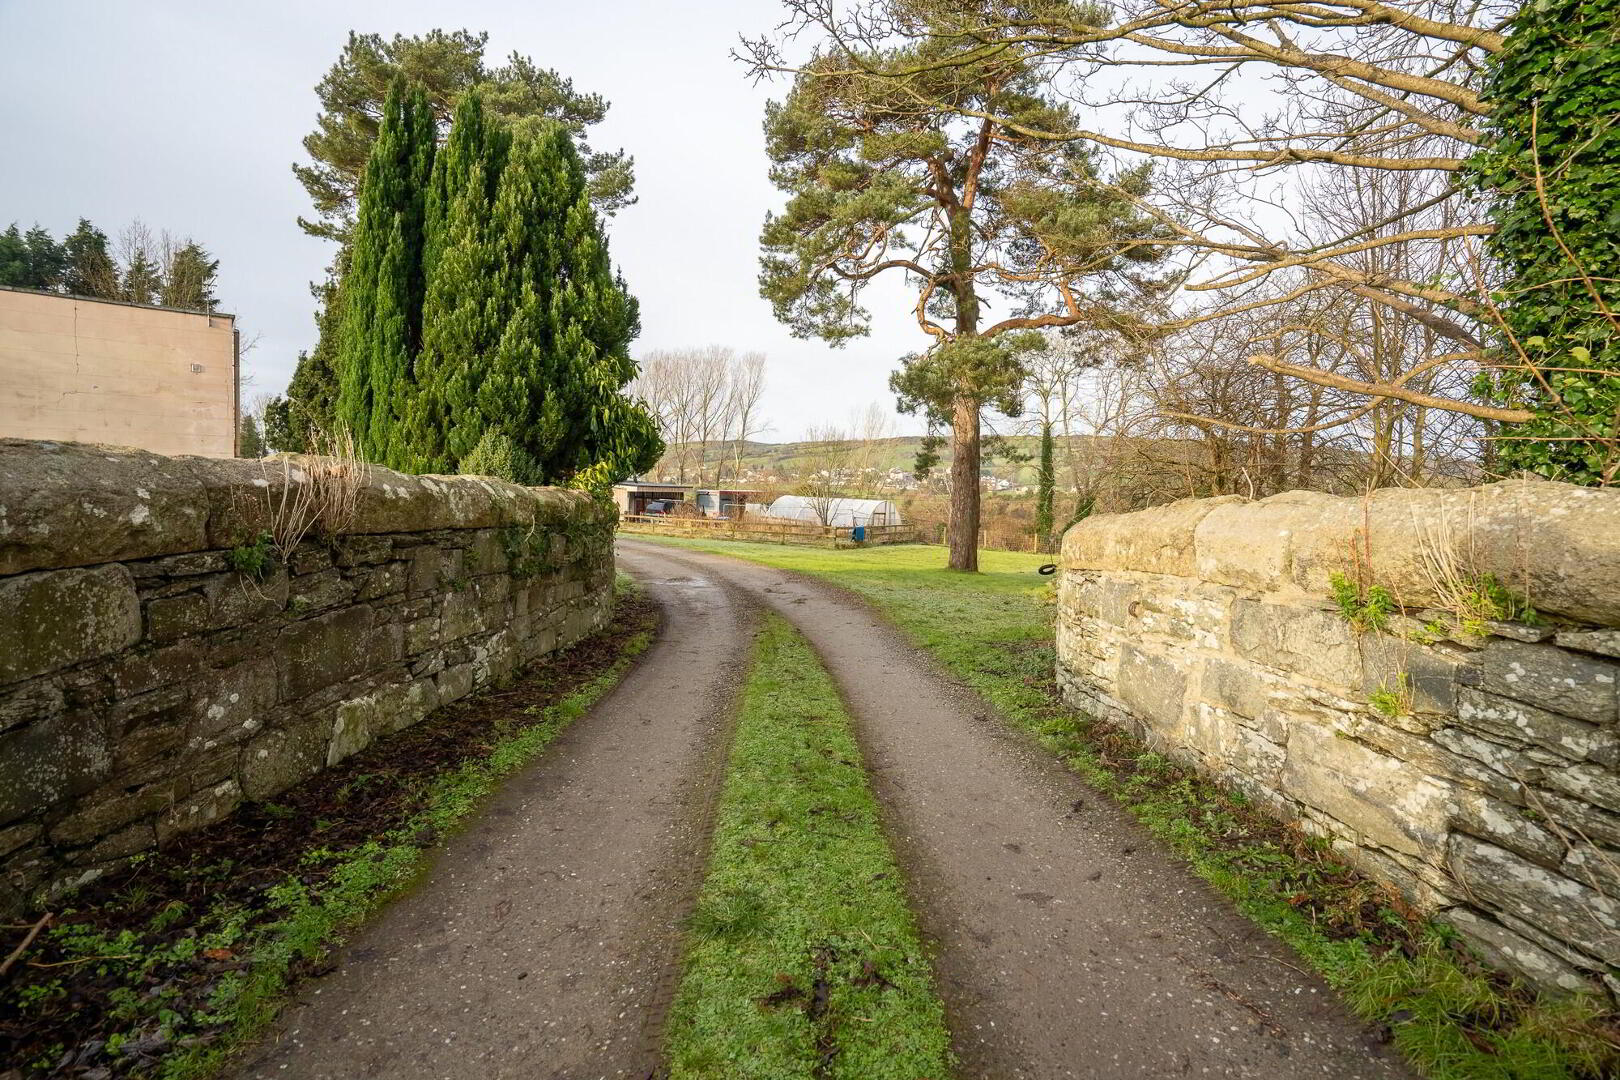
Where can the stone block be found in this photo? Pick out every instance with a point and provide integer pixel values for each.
(139, 672)
(455, 682)
(361, 721)
(1507, 951)
(388, 579)
(1591, 784)
(1602, 642)
(235, 703)
(141, 836)
(16, 836)
(1568, 813)
(1158, 540)
(1380, 797)
(58, 618)
(179, 566)
(1567, 909)
(1429, 677)
(54, 759)
(1507, 761)
(1505, 718)
(74, 504)
(1597, 866)
(310, 558)
(461, 616)
(486, 554)
(1551, 678)
(1152, 686)
(111, 812)
(316, 653)
(319, 592)
(1244, 689)
(1298, 639)
(30, 702)
(160, 706)
(154, 744)
(278, 759)
(363, 550)
(1516, 828)
(199, 809)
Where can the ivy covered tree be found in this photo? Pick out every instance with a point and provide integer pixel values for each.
(892, 177)
(1551, 168)
(380, 330)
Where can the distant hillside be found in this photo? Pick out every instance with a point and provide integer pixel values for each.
(792, 459)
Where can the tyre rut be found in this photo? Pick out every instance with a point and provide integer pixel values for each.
(545, 940)
(1070, 944)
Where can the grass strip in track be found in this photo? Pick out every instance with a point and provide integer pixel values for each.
(169, 968)
(1453, 1018)
(804, 959)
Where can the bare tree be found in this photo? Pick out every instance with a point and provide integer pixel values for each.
(706, 401)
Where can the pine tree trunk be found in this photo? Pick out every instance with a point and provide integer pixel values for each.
(964, 519)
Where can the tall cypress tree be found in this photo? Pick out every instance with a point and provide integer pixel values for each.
(526, 327)
(382, 302)
(467, 296)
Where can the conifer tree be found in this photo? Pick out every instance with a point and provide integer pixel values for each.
(188, 279)
(142, 280)
(526, 329)
(31, 260)
(382, 303)
(90, 268)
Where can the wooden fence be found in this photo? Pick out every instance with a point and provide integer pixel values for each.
(808, 533)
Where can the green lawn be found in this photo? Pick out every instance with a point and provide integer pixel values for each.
(1452, 1018)
(804, 959)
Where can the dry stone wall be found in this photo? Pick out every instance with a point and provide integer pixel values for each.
(148, 686)
(1470, 764)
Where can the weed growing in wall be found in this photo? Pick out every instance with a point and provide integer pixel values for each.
(254, 560)
(1366, 608)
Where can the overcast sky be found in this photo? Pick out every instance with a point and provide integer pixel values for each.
(189, 116)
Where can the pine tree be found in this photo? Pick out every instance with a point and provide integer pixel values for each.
(90, 267)
(142, 280)
(381, 327)
(249, 441)
(188, 279)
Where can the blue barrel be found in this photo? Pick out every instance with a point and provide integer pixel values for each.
(858, 533)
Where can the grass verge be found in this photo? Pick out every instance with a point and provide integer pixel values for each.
(172, 965)
(1452, 1017)
(804, 958)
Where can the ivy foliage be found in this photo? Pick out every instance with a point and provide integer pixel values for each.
(1551, 168)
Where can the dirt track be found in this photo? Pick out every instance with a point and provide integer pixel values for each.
(1070, 944)
(544, 942)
